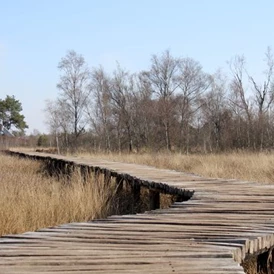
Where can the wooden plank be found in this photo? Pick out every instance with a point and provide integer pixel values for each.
(223, 222)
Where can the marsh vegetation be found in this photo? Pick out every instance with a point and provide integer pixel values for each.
(32, 200)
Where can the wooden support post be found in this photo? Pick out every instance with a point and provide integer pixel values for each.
(84, 173)
(135, 195)
(59, 168)
(265, 262)
(136, 189)
(154, 199)
(55, 168)
(107, 176)
(96, 174)
(179, 198)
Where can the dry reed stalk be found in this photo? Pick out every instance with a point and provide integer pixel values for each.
(30, 200)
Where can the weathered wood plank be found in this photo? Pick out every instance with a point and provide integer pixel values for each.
(213, 232)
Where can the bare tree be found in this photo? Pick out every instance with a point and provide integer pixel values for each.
(193, 82)
(163, 78)
(240, 104)
(75, 89)
(172, 105)
(264, 94)
(101, 112)
(216, 112)
(143, 111)
(58, 119)
(121, 93)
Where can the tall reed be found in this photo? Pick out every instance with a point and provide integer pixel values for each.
(31, 200)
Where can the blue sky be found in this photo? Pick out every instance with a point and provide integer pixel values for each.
(35, 35)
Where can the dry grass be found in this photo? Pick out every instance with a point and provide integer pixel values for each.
(257, 167)
(30, 200)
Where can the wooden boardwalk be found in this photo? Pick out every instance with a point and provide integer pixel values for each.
(213, 232)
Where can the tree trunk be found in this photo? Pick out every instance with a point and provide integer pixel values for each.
(130, 142)
(187, 138)
(119, 140)
(168, 145)
(57, 144)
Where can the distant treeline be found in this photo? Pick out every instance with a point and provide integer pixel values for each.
(173, 105)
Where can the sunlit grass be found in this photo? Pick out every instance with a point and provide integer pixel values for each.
(31, 200)
(257, 167)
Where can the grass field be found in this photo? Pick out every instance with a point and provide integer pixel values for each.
(31, 200)
(258, 167)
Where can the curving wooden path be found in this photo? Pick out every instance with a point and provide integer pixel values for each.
(213, 232)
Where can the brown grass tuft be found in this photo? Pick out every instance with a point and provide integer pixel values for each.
(30, 200)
